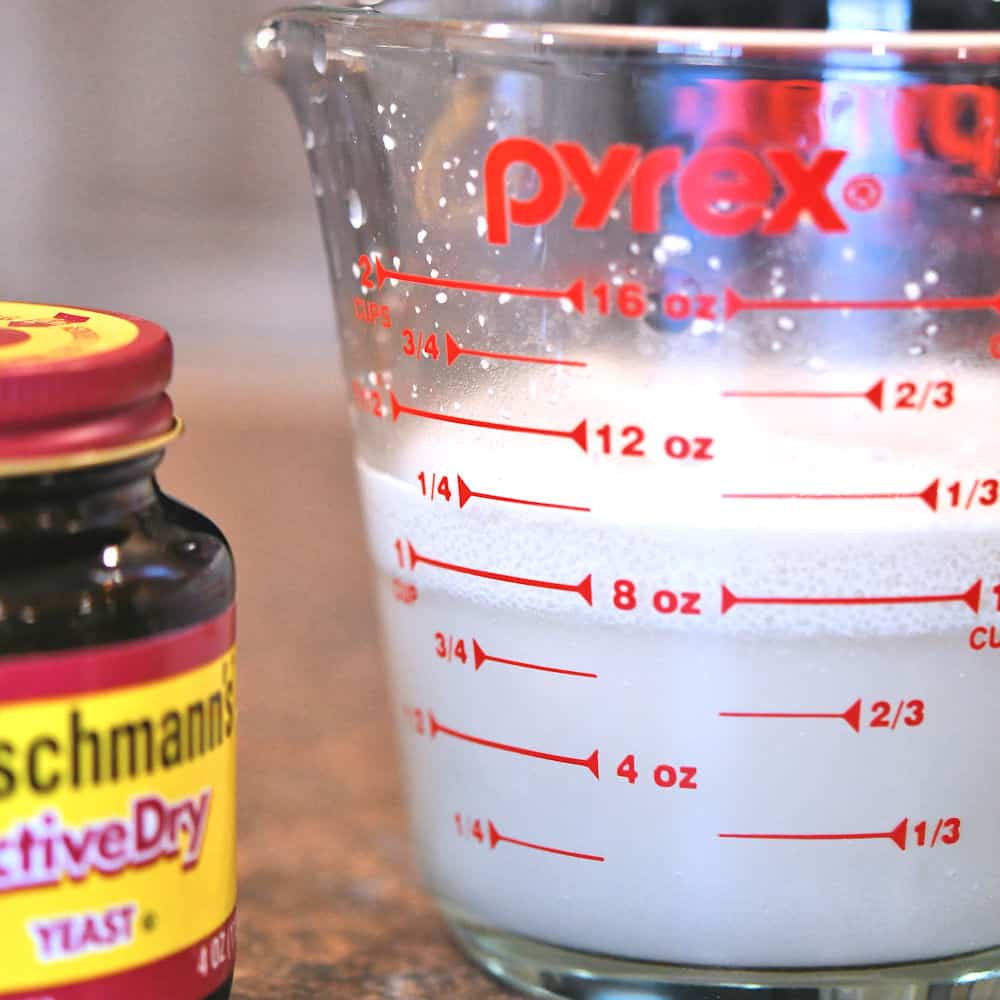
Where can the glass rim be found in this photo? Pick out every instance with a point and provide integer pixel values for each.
(877, 49)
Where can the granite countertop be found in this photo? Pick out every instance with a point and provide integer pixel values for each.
(330, 902)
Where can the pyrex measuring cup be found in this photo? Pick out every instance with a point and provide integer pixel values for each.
(673, 358)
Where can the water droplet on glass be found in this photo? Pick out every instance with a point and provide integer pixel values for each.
(816, 364)
(446, 165)
(471, 188)
(778, 291)
(484, 364)
(848, 254)
(422, 235)
(931, 277)
(482, 320)
(776, 345)
(491, 126)
(539, 238)
(917, 349)
(672, 245)
(932, 329)
(265, 38)
(355, 210)
(714, 263)
(318, 188)
(380, 108)
(319, 57)
(481, 226)
(567, 306)
(504, 298)
(473, 173)
(309, 139)
(442, 202)
(441, 297)
(435, 273)
(786, 323)
(393, 108)
(389, 142)
(911, 290)
(976, 211)
(777, 273)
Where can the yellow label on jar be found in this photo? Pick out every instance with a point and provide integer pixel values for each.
(117, 821)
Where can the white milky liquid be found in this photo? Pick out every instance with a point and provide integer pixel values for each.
(669, 887)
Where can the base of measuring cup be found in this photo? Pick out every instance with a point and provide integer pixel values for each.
(545, 971)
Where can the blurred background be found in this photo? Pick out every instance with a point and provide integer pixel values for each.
(143, 173)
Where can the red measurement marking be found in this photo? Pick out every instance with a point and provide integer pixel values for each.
(584, 588)
(465, 495)
(973, 493)
(735, 304)
(591, 763)
(875, 395)
(496, 837)
(897, 716)
(575, 293)
(972, 597)
(577, 434)
(456, 350)
(897, 835)
(852, 716)
(929, 496)
(482, 657)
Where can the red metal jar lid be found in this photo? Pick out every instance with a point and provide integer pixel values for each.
(80, 387)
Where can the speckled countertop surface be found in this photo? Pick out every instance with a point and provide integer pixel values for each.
(330, 903)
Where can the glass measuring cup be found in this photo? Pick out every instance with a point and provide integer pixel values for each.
(672, 355)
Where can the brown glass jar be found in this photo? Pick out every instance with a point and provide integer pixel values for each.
(117, 677)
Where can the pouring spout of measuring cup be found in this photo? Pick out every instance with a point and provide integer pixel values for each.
(323, 64)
